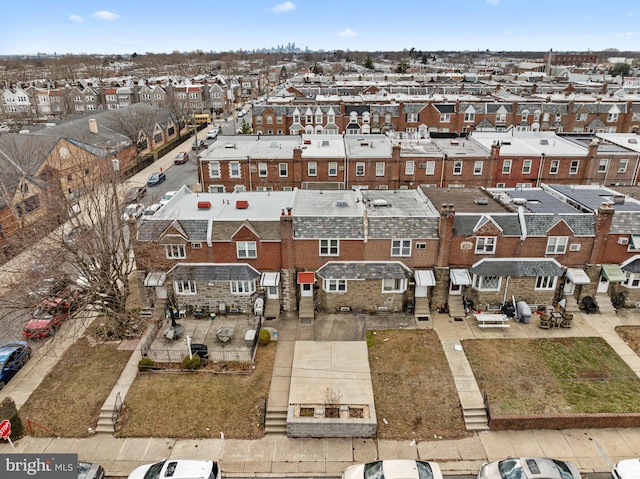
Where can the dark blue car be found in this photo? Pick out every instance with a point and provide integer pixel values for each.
(12, 357)
(156, 179)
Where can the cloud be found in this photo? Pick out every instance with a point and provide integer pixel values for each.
(105, 15)
(283, 7)
(493, 2)
(347, 32)
(76, 18)
(628, 34)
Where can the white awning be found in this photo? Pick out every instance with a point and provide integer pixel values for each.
(155, 279)
(577, 276)
(424, 277)
(270, 279)
(460, 277)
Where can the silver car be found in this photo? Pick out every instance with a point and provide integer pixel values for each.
(528, 468)
(394, 469)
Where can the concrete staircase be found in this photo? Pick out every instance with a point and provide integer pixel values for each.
(603, 300)
(475, 418)
(456, 307)
(275, 420)
(272, 309)
(306, 310)
(105, 422)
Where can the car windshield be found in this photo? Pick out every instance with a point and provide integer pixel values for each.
(511, 469)
(154, 470)
(43, 313)
(130, 209)
(373, 470)
(564, 470)
(424, 470)
(1, 365)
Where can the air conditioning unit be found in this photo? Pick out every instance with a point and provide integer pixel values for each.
(574, 247)
(623, 240)
(383, 308)
(345, 309)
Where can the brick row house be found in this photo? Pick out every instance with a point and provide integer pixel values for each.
(376, 161)
(373, 251)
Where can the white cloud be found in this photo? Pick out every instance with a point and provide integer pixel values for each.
(628, 34)
(283, 7)
(493, 2)
(105, 15)
(76, 18)
(347, 32)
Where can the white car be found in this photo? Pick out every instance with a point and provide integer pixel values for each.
(626, 469)
(212, 134)
(528, 468)
(149, 211)
(178, 469)
(394, 469)
(133, 212)
(166, 197)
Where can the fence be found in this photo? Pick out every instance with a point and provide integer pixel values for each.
(146, 345)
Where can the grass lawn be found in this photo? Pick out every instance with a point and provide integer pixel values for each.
(199, 405)
(69, 399)
(564, 375)
(413, 387)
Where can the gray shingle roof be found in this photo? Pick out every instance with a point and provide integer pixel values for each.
(316, 227)
(540, 224)
(394, 227)
(358, 270)
(517, 268)
(633, 266)
(463, 225)
(212, 272)
(625, 222)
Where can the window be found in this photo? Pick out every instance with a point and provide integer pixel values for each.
(234, 169)
(409, 167)
(632, 281)
(557, 244)
(217, 189)
(380, 168)
(175, 251)
(246, 249)
(486, 283)
(581, 117)
(243, 287)
(394, 285)
(486, 245)
(184, 287)
(622, 166)
(329, 247)
(283, 170)
(401, 247)
(269, 120)
(501, 118)
(545, 282)
(612, 117)
(258, 120)
(262, 170)
(196, 245)
(457, 168)
(430, 168)
(469, 116)
(421, 245)
(445, 117)
(553, 167)
(312, 168)
(335, 285)
(279, 119)
(477, 168)
(573, 169)
(359, 169)
(603, 165)
(333, 168)
(412, 117)
(506, 167)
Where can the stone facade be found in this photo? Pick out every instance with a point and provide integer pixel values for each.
(522, 288)
(210, 295)
(288, 290)
(363, 296)
(331, 427)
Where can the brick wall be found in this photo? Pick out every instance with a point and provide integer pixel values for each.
(564, 421)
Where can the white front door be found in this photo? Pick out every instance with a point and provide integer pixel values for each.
(603, 285)
(569, 287)
(421, 291)
(306, 290)
(273, 292)
(455, 289)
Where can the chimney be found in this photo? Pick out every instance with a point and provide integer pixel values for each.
(445, 233)
(602, 226)
(93, 125)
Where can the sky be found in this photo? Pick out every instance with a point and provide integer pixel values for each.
(163, 26)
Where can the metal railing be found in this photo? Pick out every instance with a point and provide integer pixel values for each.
(116, 409)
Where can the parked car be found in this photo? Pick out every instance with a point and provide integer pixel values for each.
(135, 194)
(181, 158)
(394, 469)
(166, 197)
(149, 211)
(200, 144)
(528, 468)
(89, 470)
(12, 357)
(77, 233)
(178, 469)
(156, 179)
(241, 114)
(47, 317)
(626, 469)
(212, 134)
(132, 212)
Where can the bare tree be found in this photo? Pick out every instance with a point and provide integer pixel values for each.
(134, 120)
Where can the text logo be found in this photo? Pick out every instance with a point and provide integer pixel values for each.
(38, 466)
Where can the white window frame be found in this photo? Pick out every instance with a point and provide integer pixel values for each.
(380, 168)
(333, 168)
(401, 247)
(445, 117)
(234, 169)
(622, 166)
(410, 168)
(242, 288)
(394, 285)
(632, 281)
(185, 287)
(554, 167)
(603, 165)
(477, 167)
(312, 168)
(175, 251)
(526, 167)
(612, 117)
(574, 167)
(506, 167)
(329, 247)
(335, 285)
(486, 244)
(360, 168)
(283, 170)
(469, 117)
(486, 283)
(457, 167)
(546, 283)
(430, 168)
(263, 170)
(214, 169)
(246, 250)
(557, 245)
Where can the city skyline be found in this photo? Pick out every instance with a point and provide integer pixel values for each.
(125, 27)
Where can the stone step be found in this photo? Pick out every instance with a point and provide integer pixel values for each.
(275, 429)
(477, 427)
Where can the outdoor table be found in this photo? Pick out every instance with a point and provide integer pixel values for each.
(557, 317)
(490, 320)
(225, 333)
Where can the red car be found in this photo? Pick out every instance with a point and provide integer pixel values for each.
(181, 158)
(47, 317)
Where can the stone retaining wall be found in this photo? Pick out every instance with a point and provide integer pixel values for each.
(564, 421)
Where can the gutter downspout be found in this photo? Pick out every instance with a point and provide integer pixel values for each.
(442, 170)
(634, 180)
(540, 169)
(250, 175)
(345, 176)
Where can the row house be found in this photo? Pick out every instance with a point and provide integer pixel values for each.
(115, 98)
(152, 95)
(16, 103)
(189, 98)
(371, 250)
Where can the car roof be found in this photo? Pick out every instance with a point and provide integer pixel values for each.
(7, 349)
(628, 468)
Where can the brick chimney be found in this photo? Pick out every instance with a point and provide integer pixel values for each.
(602, 228)
(445, 233)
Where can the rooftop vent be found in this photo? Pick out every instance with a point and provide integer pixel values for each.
(242, 204)
(519, 201)
(342, 203)
(633, 140)
(544, 142)
(307, 142)
(204, 205)
(481, 201)
(380, 202)
(618, 199)
(455, 142)
(230, 145)
(93, 125)
(325, 143)
(274, 144)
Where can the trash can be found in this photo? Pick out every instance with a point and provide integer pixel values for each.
(200, 349)
(523, 312)
(249, 338)
(509, 309)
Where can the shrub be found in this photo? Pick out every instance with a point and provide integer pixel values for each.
(8, 410)
(264, 337)
(146, 364)
(191, 363)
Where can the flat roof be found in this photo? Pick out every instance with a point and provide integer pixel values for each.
(593, 197)
(325, 203)
(630, 141)
(536, 200)
(418, 147)
(526, 143)
(458, 147)
(229, 147)
(464, 200)
(367, 146)
(323, 146)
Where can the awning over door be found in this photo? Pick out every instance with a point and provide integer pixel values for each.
(577, 276)
(613, 273)
(155, 279)
(424, 277)
(306, 277)
(460, 277)
(270, 279)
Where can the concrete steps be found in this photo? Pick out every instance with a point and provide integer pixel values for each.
(604, 304)
(456, 307)
(306, 310)
(272, 309)
(475, 418)
(275, 421)
(105, 422)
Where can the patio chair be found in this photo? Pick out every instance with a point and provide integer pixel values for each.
(545, 321)
(566, 320)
